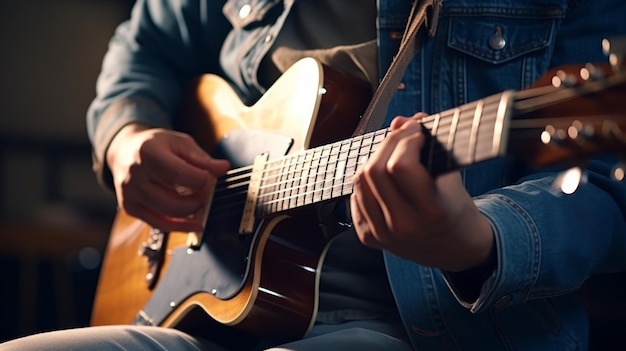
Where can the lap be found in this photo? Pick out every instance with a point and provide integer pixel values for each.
(358, 336)
(352, 336)
(111, 338)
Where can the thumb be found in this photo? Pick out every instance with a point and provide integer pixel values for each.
(191, 152)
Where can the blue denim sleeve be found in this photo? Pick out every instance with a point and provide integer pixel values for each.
(150, 59)
(549, 242)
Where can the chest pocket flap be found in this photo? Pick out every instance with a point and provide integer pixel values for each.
(497, 39)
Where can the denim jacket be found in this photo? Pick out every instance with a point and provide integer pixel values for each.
(548, 243)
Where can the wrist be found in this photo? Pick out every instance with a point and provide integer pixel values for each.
(475, 243)
(120, 141)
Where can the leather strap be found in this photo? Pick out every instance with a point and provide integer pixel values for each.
(374, 115)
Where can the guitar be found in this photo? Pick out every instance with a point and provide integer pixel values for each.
(255, 269)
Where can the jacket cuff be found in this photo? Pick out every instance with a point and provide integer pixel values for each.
(467, 285)
(517, 258)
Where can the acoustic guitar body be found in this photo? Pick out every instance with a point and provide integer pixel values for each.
(238, 286)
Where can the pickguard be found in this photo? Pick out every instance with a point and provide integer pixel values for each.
(221, 264)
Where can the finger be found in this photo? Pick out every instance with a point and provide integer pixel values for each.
(169, 170)
(196, 156)
(166, 201)
(407, 172)
(377, 173)
(166, 223)
(370, 219)
(399, 121)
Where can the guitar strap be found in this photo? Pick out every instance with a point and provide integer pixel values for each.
(374, 116)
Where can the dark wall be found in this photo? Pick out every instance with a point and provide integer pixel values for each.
(54, 218)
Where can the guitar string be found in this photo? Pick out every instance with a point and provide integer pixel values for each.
(279, 187)
(334, 190)
(313, 192)
(286, 162)
(544, 94)
(318, 192)
(526, 100)
(465, 123)
(534, 99)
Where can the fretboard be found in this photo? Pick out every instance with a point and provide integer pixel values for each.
(455, 138)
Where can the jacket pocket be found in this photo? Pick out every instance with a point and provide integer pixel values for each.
(244, 13)
(497, 40)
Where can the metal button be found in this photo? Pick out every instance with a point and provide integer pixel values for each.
(497, 41)
(268, 38)
(245, 10)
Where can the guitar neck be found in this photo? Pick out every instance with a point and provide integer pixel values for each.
(456, 138)
(552, 125)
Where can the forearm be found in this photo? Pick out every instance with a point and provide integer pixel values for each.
(150, 60)
(548, 243)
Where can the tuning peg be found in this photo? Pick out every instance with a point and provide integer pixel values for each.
(619, 172)
(580, 132)
(553, 135)
(591, 72)
(615, 48)
(570, 180)
(564, 79)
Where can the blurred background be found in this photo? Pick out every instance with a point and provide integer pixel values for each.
(54, 217)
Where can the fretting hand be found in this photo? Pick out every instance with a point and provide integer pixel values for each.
(397, 206)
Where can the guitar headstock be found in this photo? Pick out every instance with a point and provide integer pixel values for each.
(573, 114)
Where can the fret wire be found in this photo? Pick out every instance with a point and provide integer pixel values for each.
(362, 150)
(296, 169)
(301, 179)
(327, 169)
(347, 184)
(452, 134)
(338, 169)
(280, 197)
(316, 189)
(280, 193)
(445, 130)
(308, 199)
(345, 149)
(277, 188)
(466, 115)
(316, 157)
(234, 183)
(463, 134)
(350, 162)
(433, 132)
(293, 183)
(287, 184)
(316, 167)
(474, 131)
(320, 193)
(431, 118)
